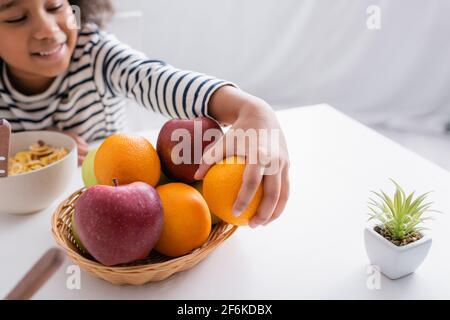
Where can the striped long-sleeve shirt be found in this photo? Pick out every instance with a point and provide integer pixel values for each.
(89, 98)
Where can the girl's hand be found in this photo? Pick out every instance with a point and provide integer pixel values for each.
(82, 146)
(272, 166)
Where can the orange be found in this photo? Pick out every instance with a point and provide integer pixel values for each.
(187, 222)
(129, 158)
(221, 186)
(199, 186)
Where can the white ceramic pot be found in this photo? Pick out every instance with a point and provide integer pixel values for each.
(394, 261)
(36, 190)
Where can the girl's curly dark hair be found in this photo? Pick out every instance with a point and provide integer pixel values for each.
(98, 11)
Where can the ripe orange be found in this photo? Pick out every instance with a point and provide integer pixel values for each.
(129, 158)
(199, 186)
(221, 186)
(187, 222)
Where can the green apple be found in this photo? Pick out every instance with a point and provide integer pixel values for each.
(75, 234)
(87, 169)
(199, 186)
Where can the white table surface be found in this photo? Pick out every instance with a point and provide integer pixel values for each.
(314, 251)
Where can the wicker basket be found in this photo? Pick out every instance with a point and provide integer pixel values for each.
(156, 267)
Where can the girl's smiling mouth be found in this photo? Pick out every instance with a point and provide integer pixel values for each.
(51, 53)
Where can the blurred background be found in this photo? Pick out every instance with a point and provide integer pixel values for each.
(292, 53)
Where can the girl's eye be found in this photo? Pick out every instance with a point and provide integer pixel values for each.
(16, 20)
(56, 8)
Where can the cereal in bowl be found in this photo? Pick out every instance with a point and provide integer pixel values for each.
(38, 156)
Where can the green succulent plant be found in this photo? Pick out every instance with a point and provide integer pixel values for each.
(400, 217)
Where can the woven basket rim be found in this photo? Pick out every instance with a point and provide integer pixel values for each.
(61, 240)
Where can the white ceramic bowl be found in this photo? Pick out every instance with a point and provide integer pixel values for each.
(36, 190)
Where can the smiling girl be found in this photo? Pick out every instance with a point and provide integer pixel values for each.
(57, 77)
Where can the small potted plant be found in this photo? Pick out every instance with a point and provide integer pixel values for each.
(396, 243)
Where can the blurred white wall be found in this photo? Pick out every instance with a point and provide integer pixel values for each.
(299, 52)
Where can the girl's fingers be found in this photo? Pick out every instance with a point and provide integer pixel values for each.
(272, 190)
(284, 196)
(80, 160)
(82, 146)
(82, 150)
(215, 153)
(217, 150)
(251, 180)
(81, 143)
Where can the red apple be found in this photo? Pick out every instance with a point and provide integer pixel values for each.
(119, 224)
(181, 144)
